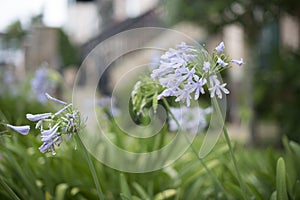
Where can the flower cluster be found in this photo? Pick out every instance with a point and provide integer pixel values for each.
(185, 70)
(53, 126)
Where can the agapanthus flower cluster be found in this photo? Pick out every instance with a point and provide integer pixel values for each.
(184, 73)
(53, 126)
(186, 70)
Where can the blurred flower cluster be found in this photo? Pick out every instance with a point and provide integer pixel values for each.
(44, 80)
(191, 120)
(53, 126)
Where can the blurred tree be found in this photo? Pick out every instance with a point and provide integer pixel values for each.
(67, 51)
(251, 15)
(14, 35)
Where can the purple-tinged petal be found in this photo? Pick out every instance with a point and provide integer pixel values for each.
(24, 130)
(238, 62)
(220, 48)
(221, 62)
(45, 146)
(55, 100)
(37, 117)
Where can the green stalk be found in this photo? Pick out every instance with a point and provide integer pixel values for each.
(227, 139)
(92, 169)
(9, 190)
(241, 182)
(216, 180)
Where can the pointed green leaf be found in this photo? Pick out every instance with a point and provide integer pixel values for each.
(140, 190)
(60, 191)
(165, 194)
(281, 188)
(124, 187)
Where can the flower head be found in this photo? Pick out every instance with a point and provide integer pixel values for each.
(24, 130)
(183, 73)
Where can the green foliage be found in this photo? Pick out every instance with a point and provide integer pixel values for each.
(25, 173)
(279, 83)
(252, 15)
(281, 188)
(14, 35)
(68, 52)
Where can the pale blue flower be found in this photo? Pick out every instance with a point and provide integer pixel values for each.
(166, 93)
(50, 137)
(216, 87)
(48, 134)
(171, 80)
(162, 71)
(49, 145)
(174, 59)
(186, 74)
(220, 48)
(184, 95)
(206, 66)
(24, 130)
(198, 85)
(221, 62)
(37, 117)
(238, 62)
(54, 99)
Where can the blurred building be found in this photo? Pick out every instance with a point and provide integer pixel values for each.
(88, 18)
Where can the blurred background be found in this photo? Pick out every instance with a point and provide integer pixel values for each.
(56, 36)
(43, 43)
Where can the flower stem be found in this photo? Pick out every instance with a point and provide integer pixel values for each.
(227, 139)
(194, 150)
(239, 177)
(92, 168)
(12, 194)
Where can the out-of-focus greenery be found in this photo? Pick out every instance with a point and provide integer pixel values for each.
(14, 35)
(25, 173)
(278, 92)
(68, 51)
(252, 15)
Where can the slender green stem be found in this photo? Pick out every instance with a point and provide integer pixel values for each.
(92, 169)
(241, 182)
(9, 190)
(239, 177)
(195, 151)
